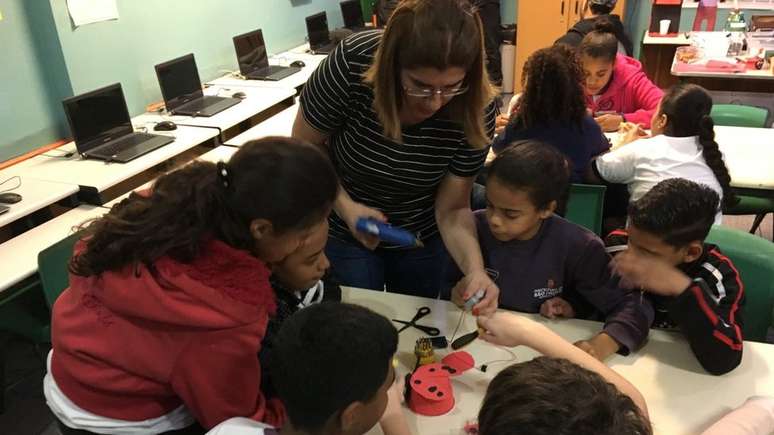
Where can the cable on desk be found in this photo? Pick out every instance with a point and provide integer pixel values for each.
(17, 178)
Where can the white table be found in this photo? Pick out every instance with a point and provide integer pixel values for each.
(36, 195)
(748, 153)
(217, 154)
(280, 124)
(292, 81)
(20, 254)
(95, 176)
(257, 101)
(682, 399)
(763, 74)
(682, 38)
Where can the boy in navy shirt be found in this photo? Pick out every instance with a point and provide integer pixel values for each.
(544, 263)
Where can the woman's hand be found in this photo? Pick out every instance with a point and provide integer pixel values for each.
(500, 123)
(351, 211)
(470, 285)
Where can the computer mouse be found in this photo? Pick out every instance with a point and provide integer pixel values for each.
(298, 64)
(240, 95)
(10, 198)
(165, 126)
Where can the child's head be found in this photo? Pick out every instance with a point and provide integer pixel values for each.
(305, 266)
(552, 91)
(601, 7)
(332, 368)
(550, 396)
(524, 185)
(672, 220)
(267, 199)
(597, 53)
(685, 111)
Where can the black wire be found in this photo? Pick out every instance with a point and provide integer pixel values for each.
(18, 178)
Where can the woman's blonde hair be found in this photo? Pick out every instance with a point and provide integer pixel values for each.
(435, 34)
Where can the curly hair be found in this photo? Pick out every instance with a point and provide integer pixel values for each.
(286, 181)
(552, 89)
(551, 396)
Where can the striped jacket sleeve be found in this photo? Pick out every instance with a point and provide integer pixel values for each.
(709, 313)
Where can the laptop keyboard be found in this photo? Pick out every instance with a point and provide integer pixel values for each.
(122, 145)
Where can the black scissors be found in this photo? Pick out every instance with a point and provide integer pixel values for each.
(422, 312)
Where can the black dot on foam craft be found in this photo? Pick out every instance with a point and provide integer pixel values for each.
(417, 382)
(432, 389)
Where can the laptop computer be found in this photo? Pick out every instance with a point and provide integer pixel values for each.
(352, 12)
(101, 127)
(254, 61)
(182, 89)
(317, 31)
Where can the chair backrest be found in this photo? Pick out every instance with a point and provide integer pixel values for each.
(584, 206)
(53, 267)
(754, 259)
(737, 115)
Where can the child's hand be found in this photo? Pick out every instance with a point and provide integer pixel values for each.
(557, 307)
(629, 132)
(505, 329)
(393, 421)
(650, 273)
(609, 122)
(601, 346)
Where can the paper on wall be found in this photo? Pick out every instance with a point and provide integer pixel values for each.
(84, 12)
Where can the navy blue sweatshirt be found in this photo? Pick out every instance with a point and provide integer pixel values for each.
(565, 260)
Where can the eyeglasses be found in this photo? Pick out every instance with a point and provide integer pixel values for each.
(429, 92)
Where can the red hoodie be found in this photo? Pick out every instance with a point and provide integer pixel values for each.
(135, 344)
(629, 92)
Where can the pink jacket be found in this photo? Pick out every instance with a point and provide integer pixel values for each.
(629, 92)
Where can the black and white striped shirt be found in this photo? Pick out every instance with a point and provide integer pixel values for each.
(400, 179)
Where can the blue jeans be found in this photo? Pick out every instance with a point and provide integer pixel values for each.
(416, 271)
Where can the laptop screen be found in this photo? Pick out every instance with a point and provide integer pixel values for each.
(97, 117)
(179, 81)
(353, 14)
(251, 52)
(317, 29)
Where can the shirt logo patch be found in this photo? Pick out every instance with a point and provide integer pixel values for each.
(548, 292)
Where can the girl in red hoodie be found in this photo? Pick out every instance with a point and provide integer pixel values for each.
(169, 294)
(617, 89)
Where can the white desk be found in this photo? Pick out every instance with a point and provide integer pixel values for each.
(682, 399)
(293, 81)
(280, 124)
(98, 176)
(222, 152)
(754, 74)
(748, 153)
(682, 38)
(36, 195)
(20, 254)
(257, 101)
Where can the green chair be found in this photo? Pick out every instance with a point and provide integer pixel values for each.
(53, 267)
(735, 115)
(584, 206)
(754, 259)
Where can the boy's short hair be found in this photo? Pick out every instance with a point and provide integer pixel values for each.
(328, 356)
(676, 210)
(536, 168)
(551, 396)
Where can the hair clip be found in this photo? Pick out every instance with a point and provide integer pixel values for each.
(223, 175)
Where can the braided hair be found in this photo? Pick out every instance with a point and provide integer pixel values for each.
(688, 108)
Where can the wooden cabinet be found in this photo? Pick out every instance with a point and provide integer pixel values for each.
(541, 22)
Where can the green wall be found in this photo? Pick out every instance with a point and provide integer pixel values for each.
(33, 78)
(46, 60)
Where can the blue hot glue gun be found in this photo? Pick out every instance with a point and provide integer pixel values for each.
(388, 233)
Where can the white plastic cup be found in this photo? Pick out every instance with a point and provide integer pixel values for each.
(663, 26)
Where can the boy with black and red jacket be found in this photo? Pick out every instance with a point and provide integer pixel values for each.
(692, 285)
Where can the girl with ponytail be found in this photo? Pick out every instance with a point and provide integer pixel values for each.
(682, 146)
(169, 297)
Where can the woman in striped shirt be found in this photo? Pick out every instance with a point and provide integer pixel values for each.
(406, 116)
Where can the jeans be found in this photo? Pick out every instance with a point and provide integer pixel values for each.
(415, 271)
